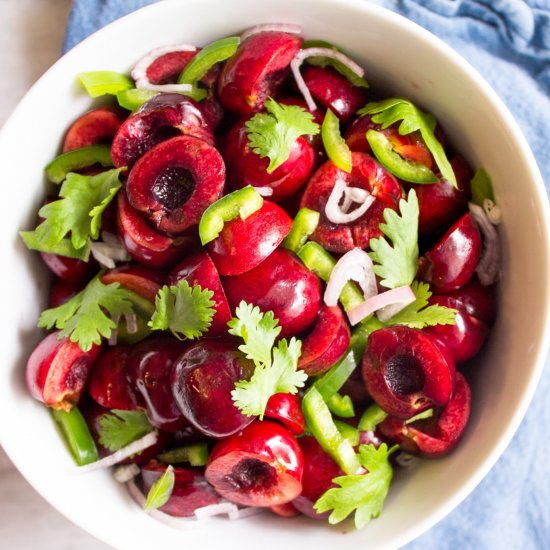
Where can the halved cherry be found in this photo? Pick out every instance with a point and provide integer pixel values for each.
(94, 127)
(57, 371)
(243, 244)
(260, 466)
(256, 71)
(366, 174)
(407, 371)
(281, 284)
(175, 181)
(61, 291)
(162, 117)
(478, 300)
(166, 68)
(143, 243)
(326, 343)
(286, 510)
(286, 408)
(435, 436)
(141, 280)
(199, 269)
(69, 269)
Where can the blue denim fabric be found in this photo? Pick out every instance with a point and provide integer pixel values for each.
(508, 41)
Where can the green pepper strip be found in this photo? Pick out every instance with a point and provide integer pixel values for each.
(210, 55)
(392, 161)
(341, 405)
(76, 435)
(242, 202)
(371, 418)
(60, 166)
(305, 223)
(348, 432)
(323, 428)
(195, 455)
(134, 98)
(99, 83)
(144, 309)
(335, 146)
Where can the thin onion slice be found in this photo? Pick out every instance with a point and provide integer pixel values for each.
(113, 337)
(131, 323)
(493, 211)
(319, 52)
(264, 191)
(354, 265)
(219, 509)
(488, 267)
(369, 438)
(135, 447)
(108, 253)
(402, 295)
(139, 72)
(125, 472)
(337, 213)
(290, 28)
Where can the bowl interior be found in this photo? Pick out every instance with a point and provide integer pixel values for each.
(398, 56)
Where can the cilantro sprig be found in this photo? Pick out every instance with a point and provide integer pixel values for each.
(161, 490)
(88, 316)
(397, 263)
(276, 366)
(273, 133)
(185, 310)
(119, 428)
(390, 111)
(363, 494)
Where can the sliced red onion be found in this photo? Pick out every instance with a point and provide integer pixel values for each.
(247, 512)
(219, 509)
(126, 472)
(139, 72)
(135, 447)
(354, 265)
(369, 438)
(402, 295)
(107, 254)
(131, 323)
(113, 337)
(319, 52)
(264, 191)
(290, 28)
(339, 214)
(492, 211)
(488, 267)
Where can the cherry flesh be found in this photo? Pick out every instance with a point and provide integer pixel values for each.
(281, 284)
(286, 408)
(260, 466)
(141, 280)
(256, 71)
(406, 371)
(202, 380)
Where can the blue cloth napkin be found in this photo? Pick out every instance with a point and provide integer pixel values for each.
(508, 41)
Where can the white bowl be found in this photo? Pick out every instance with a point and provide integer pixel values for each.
(397, 55)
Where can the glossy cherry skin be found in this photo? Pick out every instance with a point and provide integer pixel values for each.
(149, 369)
(366, 174)
(478, 301)
(69, 269)
(406, 371)
(61, 291)
(326, 343)
(286, 408)
(202, 380)
(256, 71)
(109, 385)
(58, 370)
(143, 243)
(94, 127)
(191, 490)
(175, 181)
(319, 471)
(435, 436)
(245, 167)
(243, 244)
(200, 270)
(260, 466)
(280, 284)
(166, 68)
(451, 263)
(141, 280)
(162, 117)
(331, 90)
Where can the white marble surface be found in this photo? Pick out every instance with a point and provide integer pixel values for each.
(31, 33)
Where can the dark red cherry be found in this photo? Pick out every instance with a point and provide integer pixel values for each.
(281, 284)
(61, 291)
(366, 174)
(166, 68)
(286, 408)
(286, 510)
(175, 181)
(478, 300)
(69, 269)
(406, 371)
(450, 264)
(202, 380)
(243, 244)
(256, 71)
(260, 466)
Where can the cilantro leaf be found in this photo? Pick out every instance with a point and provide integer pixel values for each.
(84, 317)
(390, 111)
(161, 490)
(272, 134)
(397, 264)
(78, 212)
(119, 428)
(276, 367)
(482, 187)
(417, 315)
(185, 310)
(363, 494)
